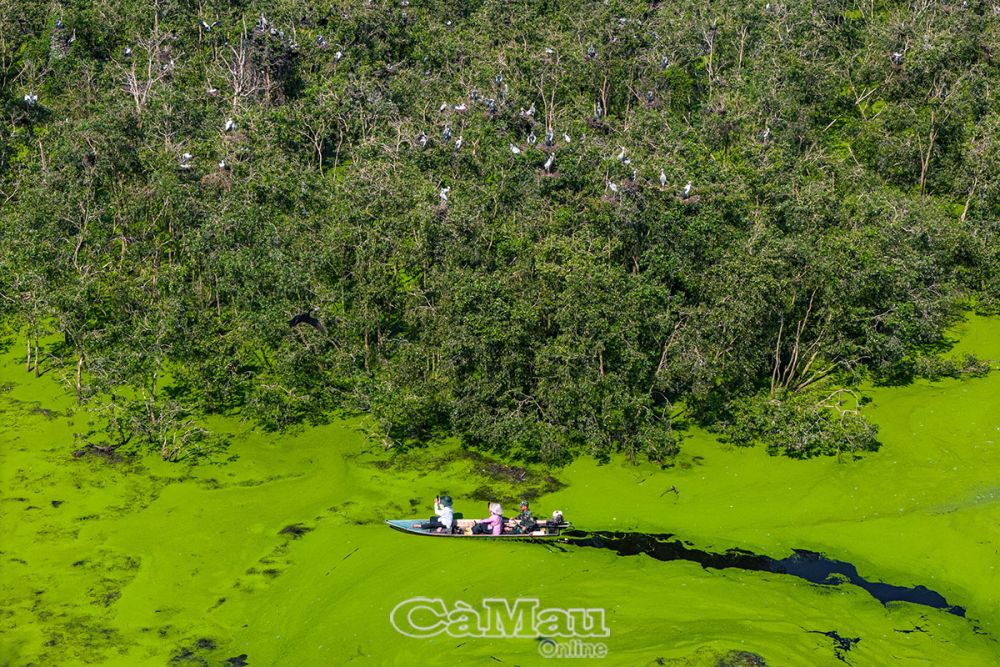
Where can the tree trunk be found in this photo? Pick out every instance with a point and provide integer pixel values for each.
(776, 371)
(36, 352)
(79, 370)
(925, 159)
(156, 376)
(968, 200)
(366, 349)
(27, 363)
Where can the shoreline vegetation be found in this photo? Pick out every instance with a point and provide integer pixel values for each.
(551, 231)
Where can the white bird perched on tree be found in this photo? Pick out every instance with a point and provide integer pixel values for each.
(230, 125)
(186, 161)
(566, 138)
(338, 55)
(897, 58)
(223, 165)
(128, 51)
(663, 179)
(548, 163)
(767, 133)
(458, 143)
(621, 154)
(460, 107)
(532, 138)
(422, 139)
(550, 138)
(447, 133)
(31, 99)
(444, 105)
(613, 187)
(444, 195)
(687, 190)
(515, 150)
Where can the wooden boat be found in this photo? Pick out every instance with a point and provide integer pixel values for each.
(463, 528)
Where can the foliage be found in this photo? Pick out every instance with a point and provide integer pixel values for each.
(935, 368)
(802, 424)
(180, 191)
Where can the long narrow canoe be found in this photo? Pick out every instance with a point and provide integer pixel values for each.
(465, 526)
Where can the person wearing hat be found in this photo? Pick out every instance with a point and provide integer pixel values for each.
(492, 525)
(524, 522)
(444, 516)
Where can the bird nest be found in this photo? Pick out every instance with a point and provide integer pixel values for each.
(598, 125)
(220, 180)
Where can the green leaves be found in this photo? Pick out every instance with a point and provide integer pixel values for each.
(844, 207)
(802, 424)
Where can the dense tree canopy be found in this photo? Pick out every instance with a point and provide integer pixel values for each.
(480, 211)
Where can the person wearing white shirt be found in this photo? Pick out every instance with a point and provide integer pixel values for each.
(444, 516)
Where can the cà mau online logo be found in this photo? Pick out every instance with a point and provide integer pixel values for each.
(423, 617)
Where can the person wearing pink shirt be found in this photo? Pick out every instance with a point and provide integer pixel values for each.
(494, 523)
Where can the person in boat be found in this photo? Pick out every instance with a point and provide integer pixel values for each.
(491, 525)
(444, 516)
(524, 522)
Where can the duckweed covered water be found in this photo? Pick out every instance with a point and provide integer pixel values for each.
(278, 556)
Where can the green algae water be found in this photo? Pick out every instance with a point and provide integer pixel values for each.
(274, 552)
